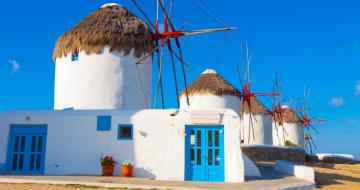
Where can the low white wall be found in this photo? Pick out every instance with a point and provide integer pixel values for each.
(299, 171)
(210, 101)
(74, 145)
(260, 132)
(288, 131)
(108, 80)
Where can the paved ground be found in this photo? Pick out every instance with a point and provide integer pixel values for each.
(271, 180)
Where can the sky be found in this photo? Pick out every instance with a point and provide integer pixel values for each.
(309, 43)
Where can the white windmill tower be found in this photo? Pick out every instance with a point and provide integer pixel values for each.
(210, 91)
(286, 128)
(256, 123)
(256, 119)
(96, 62)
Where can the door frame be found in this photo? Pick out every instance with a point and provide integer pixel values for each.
(187, 168)
(26, 129)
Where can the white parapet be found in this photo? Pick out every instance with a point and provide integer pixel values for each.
(297, 170)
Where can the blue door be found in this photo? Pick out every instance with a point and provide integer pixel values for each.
(26, 151)
(204, 153)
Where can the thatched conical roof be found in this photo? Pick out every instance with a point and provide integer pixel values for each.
(111, 25)
(256, 106)
(211, 82)
(288, 116)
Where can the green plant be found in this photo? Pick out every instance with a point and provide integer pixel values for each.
(128, 163)
(289, 143)
(107, 161)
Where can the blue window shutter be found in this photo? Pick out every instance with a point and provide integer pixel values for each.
(104, 123)
(125, 132)
(75, 56)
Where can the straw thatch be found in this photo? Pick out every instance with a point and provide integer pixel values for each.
(288, 116)
(257, 107)
(112, 26)
(211, 82)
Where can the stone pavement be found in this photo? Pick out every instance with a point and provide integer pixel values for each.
(270, 180)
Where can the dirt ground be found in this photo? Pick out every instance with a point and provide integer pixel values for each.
(337, 176)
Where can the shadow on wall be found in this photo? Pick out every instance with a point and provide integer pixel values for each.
(143, 172)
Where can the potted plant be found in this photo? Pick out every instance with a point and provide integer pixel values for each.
(127, 168)
(108, 165)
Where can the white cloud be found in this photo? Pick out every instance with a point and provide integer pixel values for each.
(357, 88)
(15, 66)
(337, 101)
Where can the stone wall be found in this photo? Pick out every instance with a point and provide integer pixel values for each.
(273, 153)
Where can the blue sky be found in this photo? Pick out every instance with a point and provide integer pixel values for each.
(310, 43)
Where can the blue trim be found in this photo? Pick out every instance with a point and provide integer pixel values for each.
(120, 126)
(187, 175)
(104, 123)
(3, 167)
(28, 131)
(74, 56)
(207, 170)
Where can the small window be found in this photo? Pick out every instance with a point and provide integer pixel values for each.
(104, 123)
(125, 132)
(75, 56)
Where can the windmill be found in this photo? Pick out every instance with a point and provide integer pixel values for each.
(286, 131)
(249, 98)
(307, 123)
(166, 37)
(277, 111)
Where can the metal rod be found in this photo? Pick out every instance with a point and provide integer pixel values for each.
(175, 79)
(184, 76)
(143, 12)
(194, 32)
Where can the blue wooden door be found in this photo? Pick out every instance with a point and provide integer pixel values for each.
(26, 151)
(204, 153)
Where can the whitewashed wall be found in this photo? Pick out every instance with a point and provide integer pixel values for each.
(108, 80)
(74, 145)
(261, 130)
(210, 101)
(289, 131)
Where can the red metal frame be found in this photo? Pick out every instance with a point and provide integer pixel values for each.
(306, 120)
(247, 94)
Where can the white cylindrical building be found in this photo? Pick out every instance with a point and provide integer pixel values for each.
(210, 91)
(95, 62)
(255, 123)
(287, 128)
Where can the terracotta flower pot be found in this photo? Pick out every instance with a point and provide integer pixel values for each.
(127, 171)
(108, 170)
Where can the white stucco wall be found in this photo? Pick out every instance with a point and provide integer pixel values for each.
(288, 131)
(298, 170)
(260, 132)
(108, 80)
(74, 145)
(210, 101)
